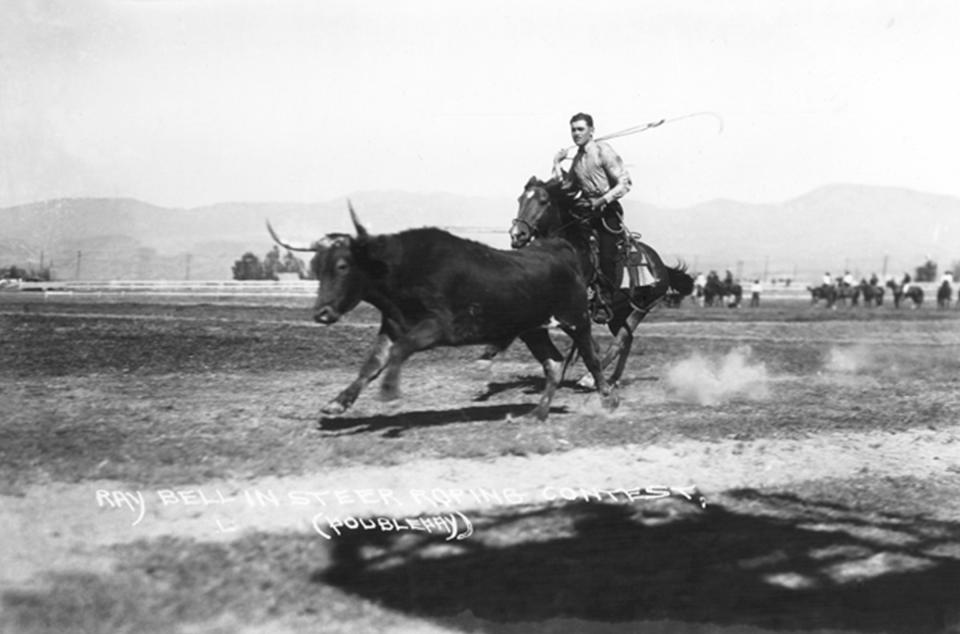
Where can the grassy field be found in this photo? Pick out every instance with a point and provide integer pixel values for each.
(824, 441)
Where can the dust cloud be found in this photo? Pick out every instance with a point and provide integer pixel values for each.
(709, 381)
(849, 360)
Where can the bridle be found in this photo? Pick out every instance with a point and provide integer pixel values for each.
(532, 229)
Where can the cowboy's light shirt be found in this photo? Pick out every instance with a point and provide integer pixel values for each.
(598, 170)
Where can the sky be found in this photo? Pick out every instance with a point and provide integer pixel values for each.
(185, 103)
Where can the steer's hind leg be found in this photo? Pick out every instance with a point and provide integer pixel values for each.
(539, 343)
(369, 371)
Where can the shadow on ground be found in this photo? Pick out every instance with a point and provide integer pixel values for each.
(770, 561)
(393, 425)
(790, 566)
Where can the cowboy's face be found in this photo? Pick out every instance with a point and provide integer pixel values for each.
(580, 132)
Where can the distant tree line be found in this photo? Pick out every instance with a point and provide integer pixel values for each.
(31, 274)
(250, 267)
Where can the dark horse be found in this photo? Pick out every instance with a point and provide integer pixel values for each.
(716, 290)
(943, 294)
(826, 292)
(909, 291)
(548, 209)
(871, 292)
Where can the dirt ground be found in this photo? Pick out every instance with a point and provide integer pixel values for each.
(164, 468)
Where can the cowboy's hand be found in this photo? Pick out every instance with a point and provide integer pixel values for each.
(597, 203)
(560, 156)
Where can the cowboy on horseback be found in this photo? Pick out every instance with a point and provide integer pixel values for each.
(598, 173)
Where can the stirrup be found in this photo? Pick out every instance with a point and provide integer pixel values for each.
(603, 314)
(601, 311)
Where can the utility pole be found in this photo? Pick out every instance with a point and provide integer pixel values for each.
(76, 275)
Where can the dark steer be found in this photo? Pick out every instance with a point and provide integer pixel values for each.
(435, 289)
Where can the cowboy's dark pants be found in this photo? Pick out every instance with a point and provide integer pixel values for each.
(609, 220)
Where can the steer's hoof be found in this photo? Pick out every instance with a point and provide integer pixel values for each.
(483, 365)
(540, 413)
(333, 408)
(388, 394)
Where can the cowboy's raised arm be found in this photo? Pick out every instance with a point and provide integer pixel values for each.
(559, 158)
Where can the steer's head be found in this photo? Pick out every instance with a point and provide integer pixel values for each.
(340, 288)
(345, 267)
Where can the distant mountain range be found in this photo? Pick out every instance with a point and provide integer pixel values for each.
(861, 228)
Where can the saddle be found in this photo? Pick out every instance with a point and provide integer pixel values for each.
(636, 272)
(636, 269)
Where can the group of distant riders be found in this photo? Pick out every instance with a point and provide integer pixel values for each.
(712, 290)
(844, 287)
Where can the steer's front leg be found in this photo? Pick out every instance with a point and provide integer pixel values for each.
(369, 371)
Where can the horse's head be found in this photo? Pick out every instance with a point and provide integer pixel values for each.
(538, 213)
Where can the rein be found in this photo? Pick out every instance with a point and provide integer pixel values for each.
(578, 219)
(535, 233)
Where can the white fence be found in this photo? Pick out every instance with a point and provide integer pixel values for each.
(264, 288)
(303, 288)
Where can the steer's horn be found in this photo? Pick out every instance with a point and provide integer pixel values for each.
(273, 234)
(361, 232)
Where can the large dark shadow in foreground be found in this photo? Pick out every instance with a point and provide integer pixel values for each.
(786, 564)
(394, 424)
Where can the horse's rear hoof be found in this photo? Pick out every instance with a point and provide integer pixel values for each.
(611, 401)
(587, 382)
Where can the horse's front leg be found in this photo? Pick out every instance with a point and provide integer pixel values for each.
(619, 349)
(588, 350)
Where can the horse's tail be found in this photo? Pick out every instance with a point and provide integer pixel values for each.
(679, 280)
(677, 277)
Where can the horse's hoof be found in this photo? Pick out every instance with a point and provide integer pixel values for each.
(587, 382)
(611, 401)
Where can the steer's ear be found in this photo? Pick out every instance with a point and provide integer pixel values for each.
(361, 232)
